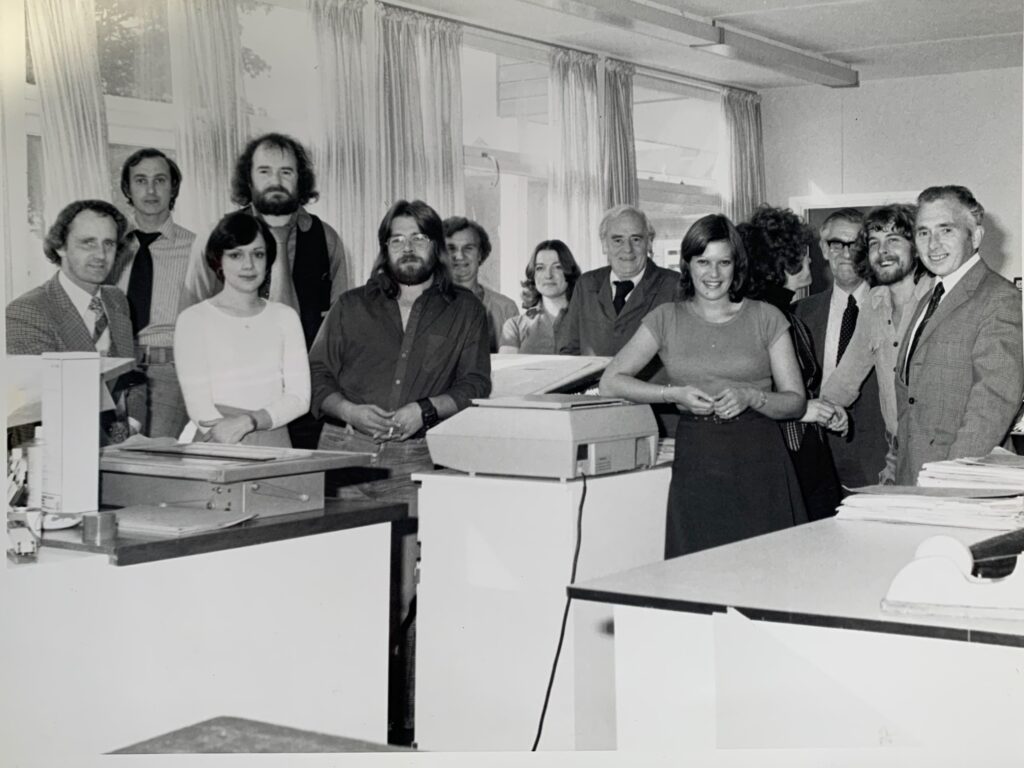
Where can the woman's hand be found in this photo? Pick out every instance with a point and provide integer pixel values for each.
(819, 411)
(691, 399)
(732, 401)
(230, 429)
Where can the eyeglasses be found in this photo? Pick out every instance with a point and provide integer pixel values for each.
(398, 243)
(836, 247)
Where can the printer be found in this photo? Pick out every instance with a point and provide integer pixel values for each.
(556, 436)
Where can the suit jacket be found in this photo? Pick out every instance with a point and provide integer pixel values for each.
(45, 320)
(591, 326)
(860, 454)
(966, 375)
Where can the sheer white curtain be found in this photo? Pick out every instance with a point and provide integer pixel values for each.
(621, 187)
(62, 36)
(575, 193)
(345, 149)
(743, 188)
(206, 67)
(420, 109)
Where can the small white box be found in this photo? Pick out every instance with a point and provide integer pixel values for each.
(71, 432)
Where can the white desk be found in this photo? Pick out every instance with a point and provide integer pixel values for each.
(496, 559)
(808, 659)
(292, 631)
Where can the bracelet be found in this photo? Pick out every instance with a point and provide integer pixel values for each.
(760, 403)
(664, 389)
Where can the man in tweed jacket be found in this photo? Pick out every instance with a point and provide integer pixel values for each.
(61, 315)
(960, 369)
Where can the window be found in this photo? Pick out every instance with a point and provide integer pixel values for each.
(678, 150)
(505, 130)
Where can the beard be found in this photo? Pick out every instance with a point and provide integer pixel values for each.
(412, 270)
(276, 205)
(891, 276)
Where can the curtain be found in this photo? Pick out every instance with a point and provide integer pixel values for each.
(62, 36)
(206, 69)
(344, 145)
(420, 109)
(619, 159)
(574, 183)
(743, 188)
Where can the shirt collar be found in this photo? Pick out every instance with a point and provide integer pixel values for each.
(302, 217)
(166, 229)
(949, 281)
(613, 278)
(860, 293)
(78, 295)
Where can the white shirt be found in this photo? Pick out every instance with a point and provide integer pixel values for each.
(948, 283)
(613, 279)
(836, 308)
(81, 298)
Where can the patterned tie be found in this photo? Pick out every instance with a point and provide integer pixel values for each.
(622, 289)
(933, 302)
(140, 284)
(96, 306)
(847, 326)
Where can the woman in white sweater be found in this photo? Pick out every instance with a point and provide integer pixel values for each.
(241, 359)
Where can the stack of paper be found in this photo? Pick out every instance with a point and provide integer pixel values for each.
(151, 520)
(997, 510)
(1000, 469)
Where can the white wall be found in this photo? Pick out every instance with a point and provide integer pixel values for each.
(905, 134)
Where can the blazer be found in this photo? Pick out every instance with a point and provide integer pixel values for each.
(591, 326)
(860, 454)
(45, 320)
(966, 376)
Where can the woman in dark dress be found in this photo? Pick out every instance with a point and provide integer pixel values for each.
(777, 243)
(732, 373)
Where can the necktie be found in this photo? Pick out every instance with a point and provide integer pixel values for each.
(96, 306)
(622, 289)
(140, 284)
(847, 327)
(933, 302)
(282, 286)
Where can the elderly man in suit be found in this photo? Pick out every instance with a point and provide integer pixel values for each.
(832, 317)
(74, 311)
(960, 369)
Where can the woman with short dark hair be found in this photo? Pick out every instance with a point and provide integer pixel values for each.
(732, 373)
(241, 359)
(551, 275)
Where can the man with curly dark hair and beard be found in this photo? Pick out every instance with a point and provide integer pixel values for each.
(274, 179)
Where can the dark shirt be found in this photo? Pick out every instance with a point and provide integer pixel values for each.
(363, 353)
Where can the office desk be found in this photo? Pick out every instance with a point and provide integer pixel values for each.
(496, 557)
(807, 658)
(266, 621)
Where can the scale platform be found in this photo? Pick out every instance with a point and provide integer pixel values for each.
(250, 479)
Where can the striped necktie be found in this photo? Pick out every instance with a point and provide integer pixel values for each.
(96, 307)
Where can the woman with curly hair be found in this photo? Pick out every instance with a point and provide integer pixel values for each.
(551, 275)
(732, 373)
(777, 242)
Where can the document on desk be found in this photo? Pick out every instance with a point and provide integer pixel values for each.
(930, 508)
(170, 521)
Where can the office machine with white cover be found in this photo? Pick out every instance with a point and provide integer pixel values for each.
(558, 436)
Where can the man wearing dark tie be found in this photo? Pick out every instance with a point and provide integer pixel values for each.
(960, 369)
(74, 311)
(832, 318)
(151, 271)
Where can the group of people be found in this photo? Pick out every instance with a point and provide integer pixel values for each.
(251, 334)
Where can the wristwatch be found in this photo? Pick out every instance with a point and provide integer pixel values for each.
(429, 412)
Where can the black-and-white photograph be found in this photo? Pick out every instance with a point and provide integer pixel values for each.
(526, 382)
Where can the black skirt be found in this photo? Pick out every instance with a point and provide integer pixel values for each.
(730, 480)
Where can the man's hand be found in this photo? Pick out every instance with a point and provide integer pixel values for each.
(230, 429)
(371, 420)
(408, 421)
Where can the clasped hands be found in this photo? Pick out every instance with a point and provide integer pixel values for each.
(832, 417)
(384, 425)
(728, 404)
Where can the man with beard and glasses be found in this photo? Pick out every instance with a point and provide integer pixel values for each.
(274, 179)
(884, 254)
(392, 359)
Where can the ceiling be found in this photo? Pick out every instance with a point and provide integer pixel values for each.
(877, 38)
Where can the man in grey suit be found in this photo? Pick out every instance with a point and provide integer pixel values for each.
(832, 316)
(960, 370)
(74, 311)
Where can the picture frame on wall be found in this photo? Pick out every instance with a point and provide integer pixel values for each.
(814, 209)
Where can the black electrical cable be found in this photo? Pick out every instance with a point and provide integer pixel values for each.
(565, 616)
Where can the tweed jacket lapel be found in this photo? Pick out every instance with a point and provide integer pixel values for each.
(121, 339)
(70, 328)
